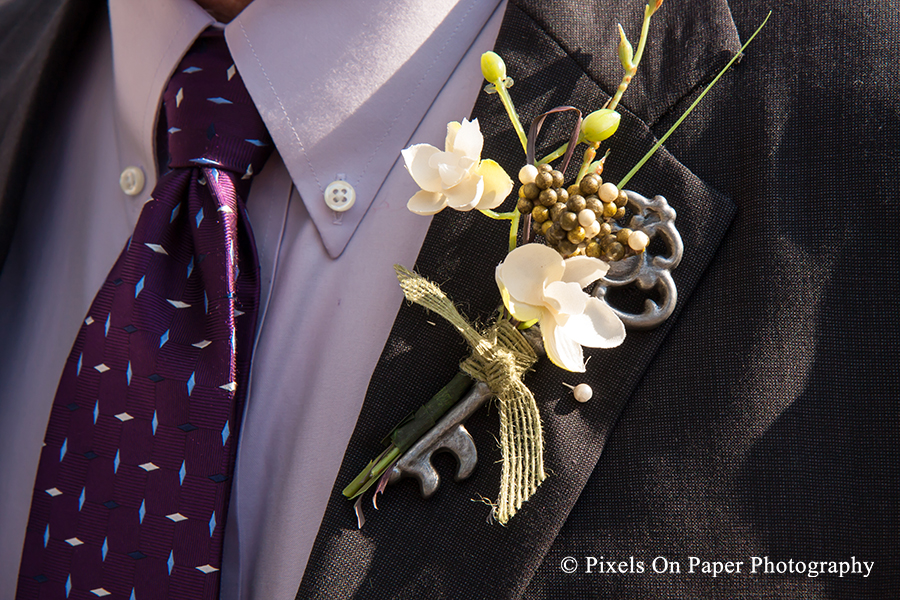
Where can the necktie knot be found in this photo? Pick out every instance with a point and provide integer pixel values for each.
(211, 119)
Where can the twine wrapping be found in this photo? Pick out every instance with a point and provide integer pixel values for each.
(500, 357)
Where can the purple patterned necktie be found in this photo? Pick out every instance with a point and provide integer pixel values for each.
(134, 477)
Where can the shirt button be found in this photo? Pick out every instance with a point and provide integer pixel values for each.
(132, 180)
(340, 195)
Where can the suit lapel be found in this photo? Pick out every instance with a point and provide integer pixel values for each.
(444, 545)
(38, 37)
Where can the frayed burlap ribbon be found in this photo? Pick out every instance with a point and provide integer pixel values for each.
(500, 357)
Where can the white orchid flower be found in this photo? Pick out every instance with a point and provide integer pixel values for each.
(536, 283)
(456, 177)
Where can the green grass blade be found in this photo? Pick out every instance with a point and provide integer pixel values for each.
(693, 105)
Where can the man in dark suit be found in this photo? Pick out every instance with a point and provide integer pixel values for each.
(760, 420)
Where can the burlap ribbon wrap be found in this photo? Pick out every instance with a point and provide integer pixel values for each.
(500, 357)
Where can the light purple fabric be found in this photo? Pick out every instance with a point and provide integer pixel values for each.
(323, 320)
(133, 485)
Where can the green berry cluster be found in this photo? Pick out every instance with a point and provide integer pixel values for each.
(579, 219)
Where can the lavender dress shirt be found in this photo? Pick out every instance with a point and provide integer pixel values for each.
(342, 86)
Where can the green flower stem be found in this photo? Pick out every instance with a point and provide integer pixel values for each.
(554, 155)
(408, 432)
(511, 112)
(589, 156)
(559, 152)
(514, 231)
(513, 217)
(386, 460)
(630, 73)
(372, 473)
(672, 129)
(498, 216)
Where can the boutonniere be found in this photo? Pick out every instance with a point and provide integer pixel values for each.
(565, 236)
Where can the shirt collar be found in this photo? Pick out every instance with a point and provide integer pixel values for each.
(341, 85)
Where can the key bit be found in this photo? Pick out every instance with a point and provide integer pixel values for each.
(450, 435)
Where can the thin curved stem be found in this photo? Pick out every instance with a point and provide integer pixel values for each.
(507, 102)
(672, 129)
(513, 218)
(589, 154)
(642, 44)
(561, 151)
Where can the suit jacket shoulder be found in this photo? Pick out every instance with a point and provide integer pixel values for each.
(38, 36)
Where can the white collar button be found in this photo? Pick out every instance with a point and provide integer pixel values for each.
(132, 180)
(340, 195)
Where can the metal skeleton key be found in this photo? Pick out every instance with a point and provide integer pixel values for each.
(655, 218)
(648, 271)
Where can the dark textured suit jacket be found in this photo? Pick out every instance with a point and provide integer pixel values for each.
(760, 420)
